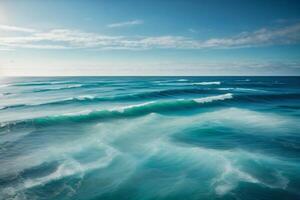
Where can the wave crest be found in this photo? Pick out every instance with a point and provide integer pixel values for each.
(126, 111)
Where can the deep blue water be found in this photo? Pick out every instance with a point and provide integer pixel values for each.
(90, 138)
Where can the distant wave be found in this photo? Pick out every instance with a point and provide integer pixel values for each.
(59, 88)
(38, 83)
(44, 83)
(74, 85)
(171, 81)
(182, 80)
(183, 83)
(242, 89)
(267, 97)
(259, 84)
(208, 83)
(127, 111)
(243, 80)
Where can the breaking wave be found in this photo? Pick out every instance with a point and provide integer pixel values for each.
(127, 111)
(132, 97)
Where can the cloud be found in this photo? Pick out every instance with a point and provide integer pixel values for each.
(16, 29)
(125, 24)
(262, 37)
(76, 39)
(191, 30)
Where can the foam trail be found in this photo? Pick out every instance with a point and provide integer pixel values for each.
(72, 167)
(68, 167)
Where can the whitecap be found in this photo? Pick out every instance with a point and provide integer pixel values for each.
(207, 83)
(182, 80)
(122, 109)
(242, 89)
(84, 97)
(214, 98)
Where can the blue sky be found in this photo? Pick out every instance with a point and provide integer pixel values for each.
(109, 37)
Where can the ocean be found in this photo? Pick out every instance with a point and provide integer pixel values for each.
(144, 138)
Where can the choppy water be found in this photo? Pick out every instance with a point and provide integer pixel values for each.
(150, 138)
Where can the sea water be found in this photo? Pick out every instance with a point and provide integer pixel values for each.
(90, 138)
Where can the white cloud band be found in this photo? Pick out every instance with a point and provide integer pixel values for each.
(74, 39)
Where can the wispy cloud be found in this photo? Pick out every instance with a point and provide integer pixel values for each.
(284, 35)
(16, 29)
(125, 24)
(191, 30)
(74, 39)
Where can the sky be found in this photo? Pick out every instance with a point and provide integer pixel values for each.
(155, 37)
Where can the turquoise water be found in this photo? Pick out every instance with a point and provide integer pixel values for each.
(90, 138)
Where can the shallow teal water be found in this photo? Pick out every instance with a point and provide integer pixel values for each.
(150, 138)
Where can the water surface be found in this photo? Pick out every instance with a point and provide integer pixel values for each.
(91, 138)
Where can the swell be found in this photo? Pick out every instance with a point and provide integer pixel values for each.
(259, 84)
(143, 95)
(89, 99)
(130, 97)
(123, 112)
(268, 97)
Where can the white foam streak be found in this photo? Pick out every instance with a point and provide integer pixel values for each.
(208, 83)
(71, 86)
(214, 98)
(122, 109)
(182, 80)
(241, 89)
(84, 97)
(5, 85)
(64, 87)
